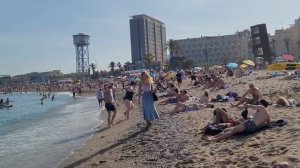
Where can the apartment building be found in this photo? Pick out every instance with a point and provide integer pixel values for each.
(216, 49)
(148, 36)
(288, 40)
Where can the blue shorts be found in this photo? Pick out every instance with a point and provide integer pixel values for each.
(249, 126)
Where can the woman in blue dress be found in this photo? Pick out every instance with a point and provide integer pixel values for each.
(146, 88)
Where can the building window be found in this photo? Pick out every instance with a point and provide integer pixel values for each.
(255, 30)
(256, 40)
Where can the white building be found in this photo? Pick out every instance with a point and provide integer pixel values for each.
(293, 35)
(219, 49)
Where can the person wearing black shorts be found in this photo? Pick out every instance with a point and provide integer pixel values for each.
(109, 105)
(179, 79)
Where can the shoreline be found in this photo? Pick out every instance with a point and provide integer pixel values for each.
(108, 136)
(173, 141)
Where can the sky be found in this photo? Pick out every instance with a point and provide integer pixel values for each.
(36, 35)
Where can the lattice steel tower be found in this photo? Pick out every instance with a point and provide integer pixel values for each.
(81, 42)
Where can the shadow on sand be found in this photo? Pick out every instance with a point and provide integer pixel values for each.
(102, 151)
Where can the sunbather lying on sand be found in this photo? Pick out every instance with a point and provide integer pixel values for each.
(283, 102)
(260, 119)
(223, 120)
(256, 95)
(181, 107)
(181, 97)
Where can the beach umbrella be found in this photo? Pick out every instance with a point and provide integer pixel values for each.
(243, 65)
(288, 57)
(232, 65)
(249, 62)
(216, 67)
(283, 66)
(171, 75)
(153, 75)
(278, 59)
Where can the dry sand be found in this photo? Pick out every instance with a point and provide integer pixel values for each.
(173, 141)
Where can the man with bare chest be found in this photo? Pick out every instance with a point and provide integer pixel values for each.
(254, 92)
(109, 105)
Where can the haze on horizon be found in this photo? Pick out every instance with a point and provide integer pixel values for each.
(36, 36)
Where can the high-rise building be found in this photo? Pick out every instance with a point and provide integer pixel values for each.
(214, 50)
(260, 41)
(148, 37)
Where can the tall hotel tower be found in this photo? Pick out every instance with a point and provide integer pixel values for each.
(148, 36)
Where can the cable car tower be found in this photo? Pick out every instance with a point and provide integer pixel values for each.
(81, 42)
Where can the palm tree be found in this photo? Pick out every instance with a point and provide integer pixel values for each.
(173, 47)
(119, 65)
(112, 66)
(93, 67)
(126, 65)
(149, 59)
(287, 44)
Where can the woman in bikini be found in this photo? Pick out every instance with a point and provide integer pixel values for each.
(128, 98)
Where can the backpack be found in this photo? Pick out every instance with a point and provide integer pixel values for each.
(211, 129)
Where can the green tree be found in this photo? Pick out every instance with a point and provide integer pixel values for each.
(112, 66)
(119, 65)
(126, 65)
(287, 44)
(173, 47)
(93, 67)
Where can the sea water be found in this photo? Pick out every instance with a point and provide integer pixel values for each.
(34, 135)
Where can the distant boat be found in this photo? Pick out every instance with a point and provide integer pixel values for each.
(6, 106)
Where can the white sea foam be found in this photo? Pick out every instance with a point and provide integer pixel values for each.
(35, 135)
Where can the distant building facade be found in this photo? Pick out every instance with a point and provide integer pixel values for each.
(36, 77)
(292, 36)
(219, 49)
(148, 36)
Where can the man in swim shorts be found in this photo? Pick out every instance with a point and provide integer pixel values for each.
(256, 96)
(260, 119)
(109, 105)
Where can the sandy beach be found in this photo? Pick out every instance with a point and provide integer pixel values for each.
(174, 141)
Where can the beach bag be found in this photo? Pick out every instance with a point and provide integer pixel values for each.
(155, 98)
(211, 129)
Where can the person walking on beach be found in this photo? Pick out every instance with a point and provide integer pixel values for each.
(109, 105)
(128, 98)
(100, 97)
(256, 96)
(149, 109)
